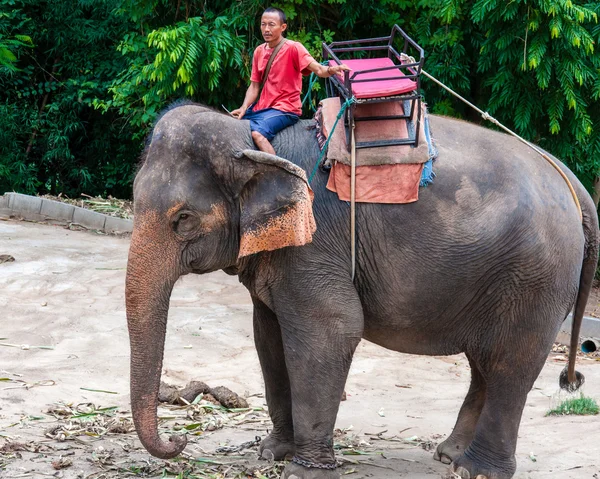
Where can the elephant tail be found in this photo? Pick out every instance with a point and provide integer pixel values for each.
(570, 379)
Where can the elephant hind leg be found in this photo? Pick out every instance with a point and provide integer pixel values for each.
(464, 430)
(509, 370)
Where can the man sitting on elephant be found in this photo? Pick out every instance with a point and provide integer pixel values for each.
(278, 104)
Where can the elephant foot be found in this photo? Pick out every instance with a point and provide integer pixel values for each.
(273, 448)
(467, 468)
(450, 449)
(296, 471)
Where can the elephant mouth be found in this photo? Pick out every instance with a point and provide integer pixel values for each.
(199, 268)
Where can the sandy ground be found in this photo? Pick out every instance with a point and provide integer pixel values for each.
(65, 289)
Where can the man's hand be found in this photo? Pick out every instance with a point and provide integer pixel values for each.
(251, 96)
(327, 71)
(239, 112)
(335, 69)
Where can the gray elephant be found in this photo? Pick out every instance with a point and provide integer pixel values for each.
(488, 262)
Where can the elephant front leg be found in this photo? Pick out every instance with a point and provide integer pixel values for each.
(279, 444)
(318, 346)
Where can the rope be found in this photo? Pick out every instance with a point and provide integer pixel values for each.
(486, 116)
(346, 104)
(311, 82)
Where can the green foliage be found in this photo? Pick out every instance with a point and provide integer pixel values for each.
(53, 140)
(8, 46)
(16, 173)
(540, 71)
(581, 406)
(189, 59)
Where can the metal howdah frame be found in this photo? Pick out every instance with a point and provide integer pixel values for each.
(335, 86)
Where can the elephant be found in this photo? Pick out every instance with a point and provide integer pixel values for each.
(488, 262)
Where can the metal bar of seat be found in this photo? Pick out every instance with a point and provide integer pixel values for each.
(381, 143)
(343, 87)
(360, 49)
(383, 99)
(369, 80)
(374, 118)
(362, 40)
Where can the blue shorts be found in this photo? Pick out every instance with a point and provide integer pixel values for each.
(269, 122)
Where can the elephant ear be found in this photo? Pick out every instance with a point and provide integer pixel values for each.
(276, 205)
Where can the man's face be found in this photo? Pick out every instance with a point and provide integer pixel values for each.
(271, 27)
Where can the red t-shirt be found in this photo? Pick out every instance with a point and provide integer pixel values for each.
(283, 87)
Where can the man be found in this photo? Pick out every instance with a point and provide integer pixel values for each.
(279, 104)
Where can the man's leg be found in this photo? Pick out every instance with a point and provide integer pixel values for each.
(265, 124)
(262, 143)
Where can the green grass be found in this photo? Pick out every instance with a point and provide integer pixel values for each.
(581, 406)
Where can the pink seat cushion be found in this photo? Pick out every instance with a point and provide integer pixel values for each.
(374, 89)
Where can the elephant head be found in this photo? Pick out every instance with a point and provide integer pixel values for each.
(203, 199)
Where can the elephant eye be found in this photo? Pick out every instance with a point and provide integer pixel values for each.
(183, 223)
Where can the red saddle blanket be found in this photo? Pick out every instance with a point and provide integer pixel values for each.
(396, 184)
(383, 175)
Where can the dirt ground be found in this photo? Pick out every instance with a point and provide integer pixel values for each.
(64, 407)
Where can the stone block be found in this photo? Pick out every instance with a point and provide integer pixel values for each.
(23, 205)
(57, 211)
(4, 202)
(89, 219)
(113, 225)
(9, 197)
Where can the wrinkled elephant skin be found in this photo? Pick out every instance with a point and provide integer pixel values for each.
(488, 262)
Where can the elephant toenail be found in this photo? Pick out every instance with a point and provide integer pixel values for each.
(481, 476)
(268, 455)
(445, 459)
(463, 473)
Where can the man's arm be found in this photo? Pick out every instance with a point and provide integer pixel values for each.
(326, 71)
(251, 96)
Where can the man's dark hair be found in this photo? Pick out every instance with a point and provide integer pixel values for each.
(278, 11)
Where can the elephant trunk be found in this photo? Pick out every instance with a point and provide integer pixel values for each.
(152, 270)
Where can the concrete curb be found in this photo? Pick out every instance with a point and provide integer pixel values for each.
(33, 208)
(590, 328)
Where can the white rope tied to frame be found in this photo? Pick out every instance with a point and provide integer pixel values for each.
(486, 116)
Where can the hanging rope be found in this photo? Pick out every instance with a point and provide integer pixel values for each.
(345, 105)
(486, 116)
(311, 82)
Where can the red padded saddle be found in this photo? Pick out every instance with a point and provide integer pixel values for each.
(377, 88)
